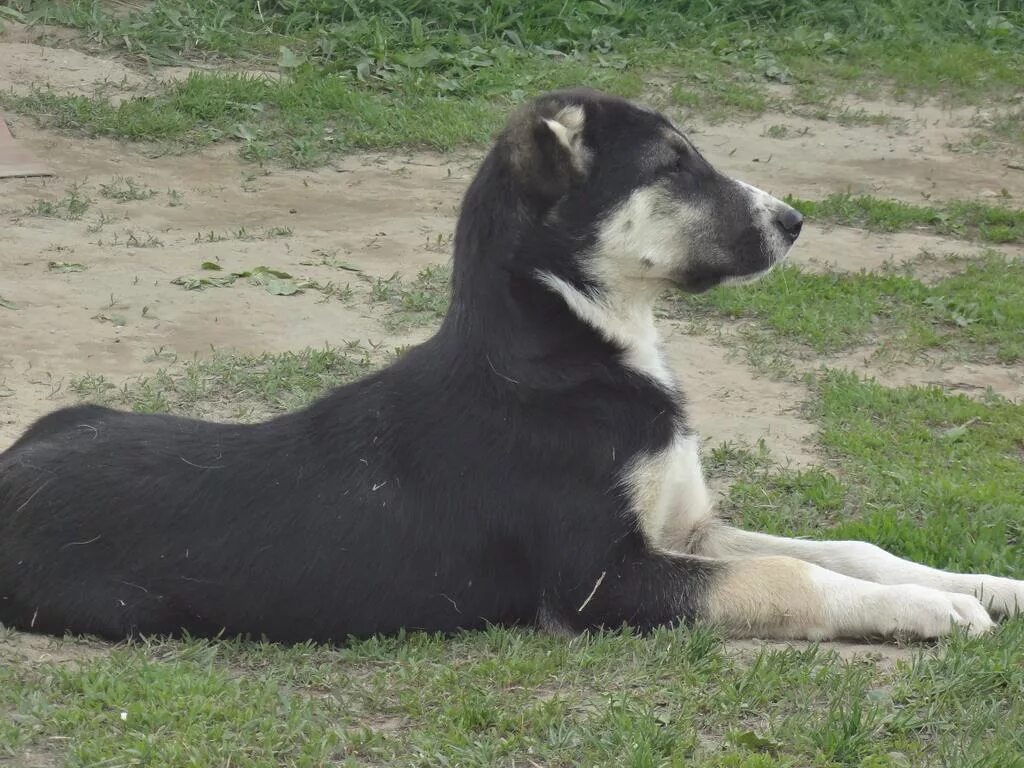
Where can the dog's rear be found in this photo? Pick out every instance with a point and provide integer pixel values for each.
(530, 463)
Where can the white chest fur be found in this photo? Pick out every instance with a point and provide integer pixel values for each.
(627, 323)
(667, 491)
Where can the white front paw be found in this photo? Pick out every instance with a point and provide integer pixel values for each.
(923, 613)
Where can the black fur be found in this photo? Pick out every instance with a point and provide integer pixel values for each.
(474, 481)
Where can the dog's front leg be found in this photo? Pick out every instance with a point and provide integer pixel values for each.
(1002, 596)
(777, 597)
(782, 597)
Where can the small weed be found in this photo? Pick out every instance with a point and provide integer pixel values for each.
(242, 233)
(441, 243)
(65, 266)
(329, 290)
(977, 143)
(777, 131)
(142, 240)
(99, 222)
(1003, 125)
(330, 259)
(125, 189)
(273, 281)
(72, 206)
(110, 317)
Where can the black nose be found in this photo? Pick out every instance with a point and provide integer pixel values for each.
(790, 222)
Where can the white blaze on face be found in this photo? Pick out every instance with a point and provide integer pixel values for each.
(647, 237)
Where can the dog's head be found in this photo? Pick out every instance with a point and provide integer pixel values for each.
(635, 198)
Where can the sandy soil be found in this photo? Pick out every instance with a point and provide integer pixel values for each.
(385, 214)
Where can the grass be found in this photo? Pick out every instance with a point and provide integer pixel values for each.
(977, 313)
(717, 99)
(816, 101)
(930, 476)
(241, 387)
(72, 206)
(422, 301)
(981, 221)
(1009, 125)
(243, 233)
(366, 74)
(516, 697)
(520, 698)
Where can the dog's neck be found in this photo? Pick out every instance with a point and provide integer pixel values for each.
(623, 315)
(517, 316)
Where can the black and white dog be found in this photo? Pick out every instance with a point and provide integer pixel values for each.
(529, 464)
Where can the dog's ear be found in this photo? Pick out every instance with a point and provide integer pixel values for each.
(548, 153)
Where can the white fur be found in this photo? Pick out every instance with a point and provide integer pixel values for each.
(857, 608)
(753, 277)
(1004, 597)
(667, 490)
(783, 597)
(648, 236)
(624, 319)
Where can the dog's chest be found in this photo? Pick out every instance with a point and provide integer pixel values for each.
(667, 491)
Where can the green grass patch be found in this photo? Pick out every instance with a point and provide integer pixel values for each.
(989, 223)
(717, 98)
(506, 697)
(305, 119)
(407, 73)
(977, 313)
(240, 387)
(341, 33)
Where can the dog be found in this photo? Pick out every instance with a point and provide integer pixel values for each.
(530, 464)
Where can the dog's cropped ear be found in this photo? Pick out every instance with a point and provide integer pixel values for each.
(548, 153)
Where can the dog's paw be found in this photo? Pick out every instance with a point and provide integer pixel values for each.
(922, 613)
(1002, 597)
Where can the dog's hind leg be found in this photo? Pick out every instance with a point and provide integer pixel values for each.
(859, 559)
(778, 597)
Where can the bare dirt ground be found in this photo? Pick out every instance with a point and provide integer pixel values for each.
(386, 214)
